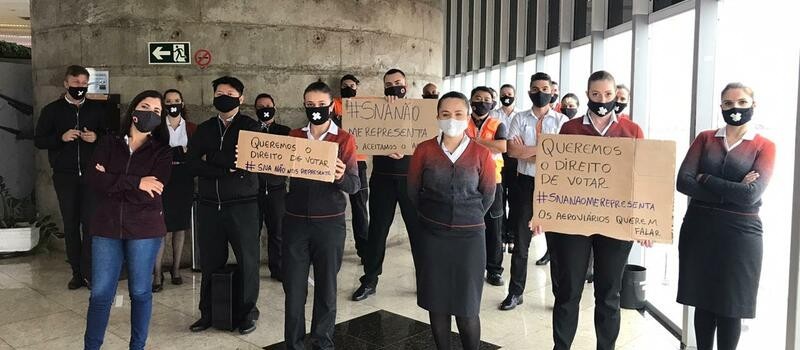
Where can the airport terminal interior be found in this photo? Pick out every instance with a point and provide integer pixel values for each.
(674, 58)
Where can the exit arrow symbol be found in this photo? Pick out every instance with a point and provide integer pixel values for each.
(159, 54)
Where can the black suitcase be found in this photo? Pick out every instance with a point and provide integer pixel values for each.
(226, 285)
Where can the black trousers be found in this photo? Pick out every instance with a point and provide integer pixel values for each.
(358, 206)
(523, 194)
(494, 234)
(76, 202)
(571, 254)
(273, 207)
(318, 243)
(237, 225)
(510, 206)
(387, 192)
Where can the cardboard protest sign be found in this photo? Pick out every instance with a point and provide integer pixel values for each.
(287, 156)
(617, 187)
(382, 128)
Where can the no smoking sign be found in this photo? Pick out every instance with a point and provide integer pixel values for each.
(202, 58)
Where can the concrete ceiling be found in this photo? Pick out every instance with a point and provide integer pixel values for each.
(15, 21)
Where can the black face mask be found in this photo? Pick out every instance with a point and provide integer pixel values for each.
(482, 108)
(554, 98)
(225, 103)
(77, 93)
(507, 100)
(431, 96)
(619, 107)
(146, 121)
(540, 99)
(569, 112)
(318, 115)
(174, 110)
(348, 92)
(737, 116)
(265, 114)
(399, 91)
(601, 109)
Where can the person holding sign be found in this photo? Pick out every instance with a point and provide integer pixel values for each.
(724, 173)
(506, 114)
(228, 210)
(492, 134)
(523, 142)
(314, 227)
(271, 188)
(451, 182)
(358, 201)
(388, 184)
(570, 253)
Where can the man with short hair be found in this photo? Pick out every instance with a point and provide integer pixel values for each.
(68, 129)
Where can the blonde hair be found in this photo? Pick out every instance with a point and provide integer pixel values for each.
(738, 85)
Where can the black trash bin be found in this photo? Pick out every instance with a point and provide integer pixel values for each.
(632, 294)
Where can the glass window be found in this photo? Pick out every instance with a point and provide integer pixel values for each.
(470, 33)
(580, 66)
(459, 31)
(447, 68)
(456, 86)
(617, 57)
(445, 86)
(619, 11)
(531, 37)
(480, 78)
(484, 28)
(512, 30)
(773, 78)
(468, 85)
(582, 25)
(497, 19)
(553, 19)
(493, 79)
(669, 113)
(552, 65)
(523, 102)
(662, 4)
(509, 76)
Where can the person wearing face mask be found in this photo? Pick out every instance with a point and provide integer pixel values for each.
(492, 134)
(179, 192)
(429, 91)
(68, 129)
(623, 99)
(569, 105)
(228, 204)
(725, 173)
(554, 98)
(522, 145)
(128, 173)
(314, 227)
(506, 114)
(358, 201)
(271, 188)
(388, 184)
(571, 253)
(451, 181)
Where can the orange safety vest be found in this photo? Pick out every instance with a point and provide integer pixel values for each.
(487, 132)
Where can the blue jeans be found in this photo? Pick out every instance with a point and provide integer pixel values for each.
(108, 255)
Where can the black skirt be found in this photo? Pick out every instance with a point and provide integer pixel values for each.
(450, 266)
(720, 261)
(177, 199)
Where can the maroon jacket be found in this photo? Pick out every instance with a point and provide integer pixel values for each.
(123, 210)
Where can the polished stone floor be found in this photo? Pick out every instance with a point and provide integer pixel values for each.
(38, 312)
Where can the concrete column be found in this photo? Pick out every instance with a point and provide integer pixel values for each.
(599, 20)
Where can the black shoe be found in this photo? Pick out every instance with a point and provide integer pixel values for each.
(75, 283)
(495, 279)
(247, 327)
(201, 325)
(590, 278)
(363, 292)
(511, 302)
(544, 260)
(157, 287)
(175, 278)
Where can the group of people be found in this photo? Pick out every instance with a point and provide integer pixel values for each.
(461, 194)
